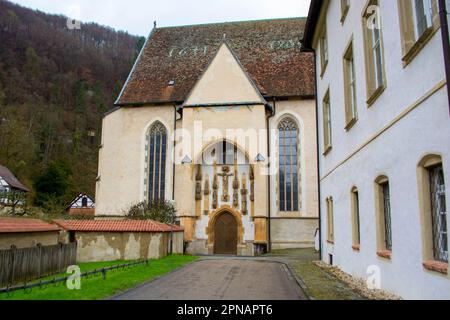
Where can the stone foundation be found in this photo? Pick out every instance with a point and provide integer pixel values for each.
(293, 233)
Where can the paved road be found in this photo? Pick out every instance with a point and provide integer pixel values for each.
(223, 279)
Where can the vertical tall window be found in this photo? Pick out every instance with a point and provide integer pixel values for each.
(326, 110)
(373, 46)
(288, 165)
(438, 212)
(350, 87)
(157, 152)
(383, 212)
(330, 220)
(387, 215)
(418, 20)
(356, 233)
(323, 51)
(423, 16)
(377, 56)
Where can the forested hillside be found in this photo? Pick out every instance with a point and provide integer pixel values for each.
(55, 85)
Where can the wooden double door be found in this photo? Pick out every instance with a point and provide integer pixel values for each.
(225, 234)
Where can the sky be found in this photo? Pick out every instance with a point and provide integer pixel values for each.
(137, 16)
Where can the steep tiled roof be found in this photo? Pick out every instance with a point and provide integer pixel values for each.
(269, 51)
(11, 179)
(22, 225)
(116, 226)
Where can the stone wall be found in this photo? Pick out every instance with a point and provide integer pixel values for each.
(97, 246)
(29, 239)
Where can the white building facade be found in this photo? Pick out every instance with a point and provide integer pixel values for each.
(384, 142)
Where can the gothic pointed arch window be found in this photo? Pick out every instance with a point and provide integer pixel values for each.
(156, 156)
(288, 174)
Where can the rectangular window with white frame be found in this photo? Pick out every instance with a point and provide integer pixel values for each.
(383, 217)
(326, 114)
(373, 48)
(356, 233)
(419, 19)
(423, 14)
(387, 215)
(323, 42)
(350, 87)
(330, 220)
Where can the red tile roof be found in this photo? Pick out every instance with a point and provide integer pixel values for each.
(23, 225)
(269, 51)
(116, 226)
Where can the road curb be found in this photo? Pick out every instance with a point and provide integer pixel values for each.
(299, 281)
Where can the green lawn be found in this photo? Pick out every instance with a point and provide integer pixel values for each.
(95, 288)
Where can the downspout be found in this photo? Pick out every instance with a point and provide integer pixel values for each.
(318, 155)
(445, 43)
(268, 176)
(174, 146)
(318, 151)
(173, 172)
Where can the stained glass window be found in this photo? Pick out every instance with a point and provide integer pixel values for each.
(288, 166)
(157, 153)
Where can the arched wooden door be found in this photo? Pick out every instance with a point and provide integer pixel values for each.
(225, 234)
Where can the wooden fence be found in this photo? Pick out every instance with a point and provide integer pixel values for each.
(23, 265)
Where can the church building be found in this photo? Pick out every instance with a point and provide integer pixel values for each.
(221, 120)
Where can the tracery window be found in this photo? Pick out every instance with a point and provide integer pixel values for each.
(288, 166)
(156, 162)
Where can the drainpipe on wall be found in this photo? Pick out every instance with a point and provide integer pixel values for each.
(268, 176)
(318, 155)
(174, 146)
(318, 150)
(445, 43)
(173, 173)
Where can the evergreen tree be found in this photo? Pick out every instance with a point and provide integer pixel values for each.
(53, 183)
(80, 89)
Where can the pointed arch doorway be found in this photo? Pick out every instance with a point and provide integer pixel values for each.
(225, 234)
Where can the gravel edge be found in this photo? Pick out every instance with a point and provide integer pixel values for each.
(356, 284)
